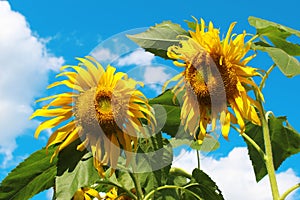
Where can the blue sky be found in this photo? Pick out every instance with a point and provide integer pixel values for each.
(36, 37)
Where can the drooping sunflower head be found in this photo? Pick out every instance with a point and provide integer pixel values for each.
(104, 109)
(214, 75)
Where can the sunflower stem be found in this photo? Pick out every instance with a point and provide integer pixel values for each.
(254, 144)
(139, 191)
(269, 155)
(262, 83)
(289, 191)
(178, 171)
(251, 141)
(198, 159)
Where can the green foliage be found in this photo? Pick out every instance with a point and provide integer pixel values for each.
(154, 160)
(285, 142)
(158, 38)
(281, 51)
(172, 110)
(206, 188)
(30, 177)
(75, 169)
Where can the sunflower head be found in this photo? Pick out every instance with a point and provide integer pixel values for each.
(104, 109)
(214, 75)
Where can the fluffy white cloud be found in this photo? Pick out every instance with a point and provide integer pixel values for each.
(24, 63)
(104, 55)
(234, 175)
(156, 76)
(137, 57)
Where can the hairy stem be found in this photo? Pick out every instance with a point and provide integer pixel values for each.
(268, 154)
(262, 83)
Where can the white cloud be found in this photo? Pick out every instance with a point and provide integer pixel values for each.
(155, 77)
(234, 175)
(24, 63)
(137, 57)
(104, 55)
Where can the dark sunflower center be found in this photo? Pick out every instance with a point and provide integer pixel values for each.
(205, 74)
(105, 110)
(94, 109)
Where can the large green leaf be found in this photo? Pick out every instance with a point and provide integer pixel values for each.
(288, 65)
(284, 139)
(30, 177)
(259, 23)
(158, 38)
(207, 188)
(171, 112)
(282, 51)
(75, 170)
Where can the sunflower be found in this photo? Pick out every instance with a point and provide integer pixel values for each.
(112, 194)
(214, 79)
(85, 194)
(104, 109)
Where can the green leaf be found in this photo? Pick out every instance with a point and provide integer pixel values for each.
(282, 51)
(75, 170)
(287, 64)
(285, 142)
(158, 38)
(207, 188)
(171, 112)
(262, 24)
(30, 177)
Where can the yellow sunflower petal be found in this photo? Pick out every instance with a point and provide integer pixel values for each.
(67, 83)
(52, 112)
(92, 69)
(99, 66)
(225, 123)
(49, 124)
(71, 138)
(60, 134)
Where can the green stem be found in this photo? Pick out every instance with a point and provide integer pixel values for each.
(198, 159)
(251, 141)
(289, 191)
(137, 185)
(269, 155)
(180, 172)
(262, 83)
(172, 187)
(254, 144)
